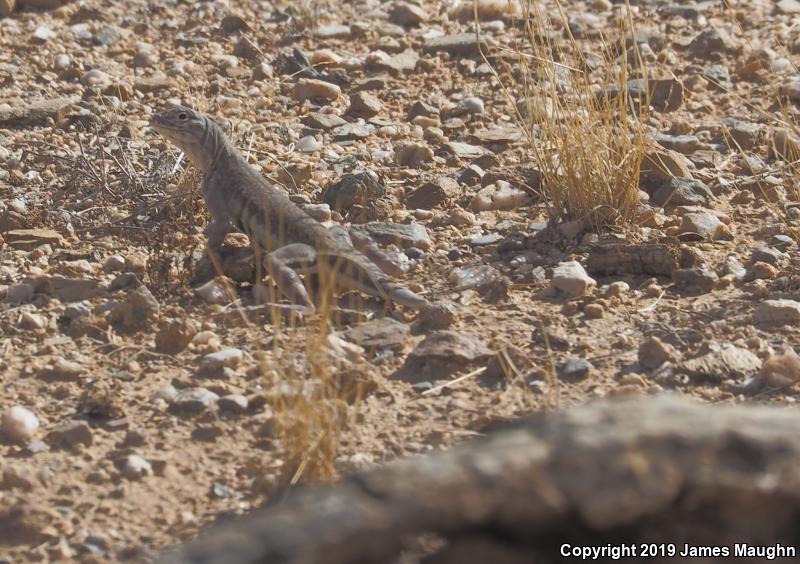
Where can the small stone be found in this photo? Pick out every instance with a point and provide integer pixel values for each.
(138, 311)
(767, 254)
(17, 478)
(465, 150)
(31, 321)
(312, 89)
(594, 311)
(216, 291)
(686, 144)
(364, 104)
(28, 239)
(19, 424)
(323, 121)
(114, 263)
(780, 370)
(705, 225)
(226, 358)
(70, 434)
(487, 239)
(167, 393)
(617, 289)
(499, 196)
(788, 7)
(695, 279)
(134, 467)
(711, 43)
(309, 144)
(194, 400)
(472, 105)
(571, 279)
(402, 235)
(432, 194)
(412, 154)
(654, 352)
(42, 34)
(441, 354)
(487, 280)
(174, 335)
(233, 403)
(460, 44)
(778, 312)
(762, 271)
(405, 14)
(334, 31)
(679, 191)
(63, 369)
(395, 65)
(575, 369)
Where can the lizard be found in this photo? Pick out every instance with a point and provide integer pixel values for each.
(238, 196)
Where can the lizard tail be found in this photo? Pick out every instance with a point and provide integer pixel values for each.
(354, 272)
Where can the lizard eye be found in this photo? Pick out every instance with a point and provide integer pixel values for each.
(182, 116)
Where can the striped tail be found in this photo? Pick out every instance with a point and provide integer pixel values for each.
(353, 271)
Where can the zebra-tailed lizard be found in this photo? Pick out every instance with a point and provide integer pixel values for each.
(238, 196)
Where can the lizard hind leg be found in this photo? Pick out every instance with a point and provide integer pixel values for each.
(282, 265)
(370, 249)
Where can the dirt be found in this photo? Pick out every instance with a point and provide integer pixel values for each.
(143, 438)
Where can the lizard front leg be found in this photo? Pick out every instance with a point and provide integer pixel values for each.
(281, 265)
(215, 232)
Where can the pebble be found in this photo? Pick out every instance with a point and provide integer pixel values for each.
(194, 400)
(19, 424)
(412, 154)
(139, 310)
(309, 144)
(233, 403)
(216, 291)
(701, 279)
(679, 191)
(134, 467)
(407, 14)
(594, 311)
(472, 105)
(571, 279)
(705, 225)
(617, 289)
(762, 271)
(402, 235)
(71, 433)
(364, 104)
(778, 312)
(653, 352)
(334, 31)
(575, 369)
(780, 370)
(220, 363)
(500, 196)
(32, 321)
(313, 89)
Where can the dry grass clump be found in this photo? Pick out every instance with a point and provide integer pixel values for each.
(585, 125)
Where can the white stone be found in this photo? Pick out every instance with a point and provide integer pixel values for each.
(19, 424)
(571, 279)
(778, 312)
(135, 467)
(498, 196)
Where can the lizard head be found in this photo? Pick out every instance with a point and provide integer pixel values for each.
(181, 125)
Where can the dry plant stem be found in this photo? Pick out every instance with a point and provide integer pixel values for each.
(589, 146)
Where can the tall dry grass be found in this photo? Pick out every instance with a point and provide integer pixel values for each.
(586, 129)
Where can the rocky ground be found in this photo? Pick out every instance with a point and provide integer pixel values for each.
(145, 394)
